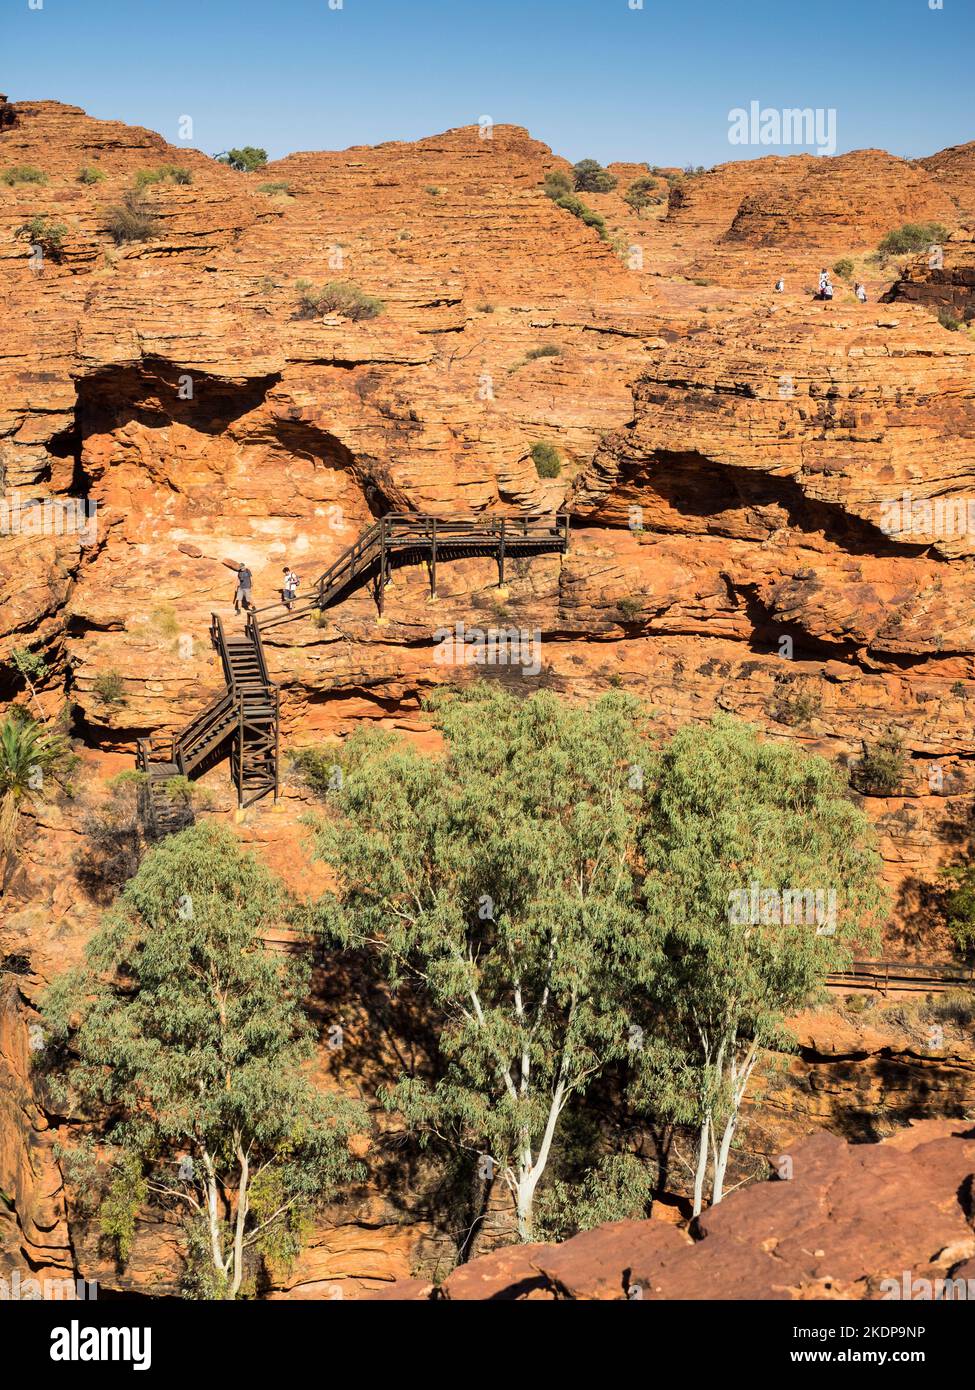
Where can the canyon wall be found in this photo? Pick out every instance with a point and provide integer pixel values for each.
(732, 459)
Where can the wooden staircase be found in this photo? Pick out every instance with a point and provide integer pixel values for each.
(242, 723)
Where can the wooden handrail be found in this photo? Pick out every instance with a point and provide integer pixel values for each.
(401, 531)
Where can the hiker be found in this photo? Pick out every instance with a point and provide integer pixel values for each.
(779, 285)
(289, 588)
(242, 594)
(824, 282)
(860, 291)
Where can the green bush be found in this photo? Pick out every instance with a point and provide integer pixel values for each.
(271, 189)
(110, 688)
(165, 173)
(577, 207)
(639, 195)
(22, 173)
(912, 236)
(49, 236)
(547, 460)
(589, 176)
(843, 268)
(88, 173)
(794, 708)
(546, 350)
(881, 769)
(630, 608)
(337, 297)
(433, 190)
(949, 320)
(556, 184)
(131, 220)
(245, 160)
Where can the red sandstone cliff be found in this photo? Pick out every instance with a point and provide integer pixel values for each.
(728, 455)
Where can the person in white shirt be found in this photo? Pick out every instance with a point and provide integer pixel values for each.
(289, 587)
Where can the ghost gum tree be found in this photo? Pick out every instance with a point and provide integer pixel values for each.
(183, 1042)
(761, 872)
(502, 875)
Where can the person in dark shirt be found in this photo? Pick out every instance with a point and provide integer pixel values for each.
(242, 595)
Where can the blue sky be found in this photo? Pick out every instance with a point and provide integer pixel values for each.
(589, 77)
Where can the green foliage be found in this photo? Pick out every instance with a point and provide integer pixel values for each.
(501, 877)
(22, 173)
(617, 1189)
(794, 706)
(912, 237)
(30, 759)
(131, 220)
(578, 208)
(949, 320)
(318, 768)
(164, 173)
(843, 268)
(557, 184)
(31, 665)
(433, 190)
(641, 193)
(127, 1190)
(190, 1051)
(960, 905)
(881, 768)
(90, 173)
(33, 668)
(732, 823)
(337, 297)
(273, 189)
(547, 460)
(109, 687)
(49, 236)
(629, 608)
(246, 160)
(546, 350)
(589, 176)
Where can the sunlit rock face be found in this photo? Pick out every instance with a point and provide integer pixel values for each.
(773, 500)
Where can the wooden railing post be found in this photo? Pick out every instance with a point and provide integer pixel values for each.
(240, 754)
(381, 576)
(277, 740)
(433, 557)
(501, 557)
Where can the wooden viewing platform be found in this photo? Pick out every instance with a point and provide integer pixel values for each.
(243, 723)
(406, 538)
(886, 975)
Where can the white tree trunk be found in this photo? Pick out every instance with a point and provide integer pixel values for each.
(721, 1160)
(702, 1164)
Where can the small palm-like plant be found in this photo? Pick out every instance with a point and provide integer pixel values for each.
(28, 754)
